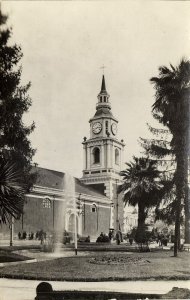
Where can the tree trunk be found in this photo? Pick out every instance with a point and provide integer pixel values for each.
(177, 224)
(141, 215)
(187, 207)
(187, 216)
(187, 165)
(180, 183)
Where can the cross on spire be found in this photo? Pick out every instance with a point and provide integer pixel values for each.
(103, 67)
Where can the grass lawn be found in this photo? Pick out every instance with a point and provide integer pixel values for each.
(106, 266)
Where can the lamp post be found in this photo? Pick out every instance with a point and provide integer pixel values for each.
(75, 225)
(11, 231)
(76, 208)
(111, 214)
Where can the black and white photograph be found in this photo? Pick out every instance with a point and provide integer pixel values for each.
(94, 150)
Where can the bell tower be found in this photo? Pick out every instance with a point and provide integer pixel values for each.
(103, 152)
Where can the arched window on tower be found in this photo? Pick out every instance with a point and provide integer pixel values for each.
(116, 156)
(96, 155)
(106, 126)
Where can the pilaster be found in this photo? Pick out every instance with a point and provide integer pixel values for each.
(102, 157)
(88, 157)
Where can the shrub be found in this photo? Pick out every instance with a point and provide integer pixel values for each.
(103, 239)
(142, 238)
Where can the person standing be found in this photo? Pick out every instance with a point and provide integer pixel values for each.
(118, 238)
(110, 235)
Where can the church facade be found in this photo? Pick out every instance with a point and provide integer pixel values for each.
(98, 206)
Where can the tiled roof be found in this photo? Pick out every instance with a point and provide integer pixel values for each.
(54, 179)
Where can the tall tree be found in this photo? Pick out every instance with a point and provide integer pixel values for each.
(172, 109)
(14, 102)
(159, 146)
(159, 149)
(141, 186)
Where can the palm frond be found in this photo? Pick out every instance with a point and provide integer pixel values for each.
(12, 191)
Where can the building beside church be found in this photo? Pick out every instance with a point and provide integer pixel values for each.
(98, 206)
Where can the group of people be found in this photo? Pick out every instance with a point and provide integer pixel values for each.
(103, 238)
(110, 236)
(39, 235)
(25, 236)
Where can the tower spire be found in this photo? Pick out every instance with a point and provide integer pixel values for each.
(103, 97)
(103, 87)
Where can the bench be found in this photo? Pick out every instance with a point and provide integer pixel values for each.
(186, 247)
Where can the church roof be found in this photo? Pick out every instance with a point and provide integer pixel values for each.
(55, 179)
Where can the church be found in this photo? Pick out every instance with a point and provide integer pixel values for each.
(98, 206)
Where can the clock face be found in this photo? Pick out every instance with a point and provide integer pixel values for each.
(114, 128)
(96, 127)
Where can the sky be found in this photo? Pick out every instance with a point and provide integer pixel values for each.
(65, 43)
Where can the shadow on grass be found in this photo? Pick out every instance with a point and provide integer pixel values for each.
(11, 257)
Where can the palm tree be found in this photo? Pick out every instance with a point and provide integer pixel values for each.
(12, 191)
(172, 109)
(141, 186)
